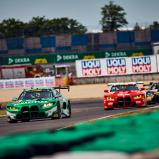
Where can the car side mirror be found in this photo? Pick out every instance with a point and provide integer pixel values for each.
(106, 91)
(14, 99)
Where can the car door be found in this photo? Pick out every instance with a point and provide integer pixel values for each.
(58, 97)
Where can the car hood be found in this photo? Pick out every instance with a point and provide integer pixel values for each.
(123, 93)
(42, 101)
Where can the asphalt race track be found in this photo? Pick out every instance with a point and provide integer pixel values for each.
(81, 111)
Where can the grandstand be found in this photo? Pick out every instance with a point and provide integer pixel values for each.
(79, 43)
(56, 50)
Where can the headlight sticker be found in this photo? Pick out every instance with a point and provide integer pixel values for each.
(47, 105)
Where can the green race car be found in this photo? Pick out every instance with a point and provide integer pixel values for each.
(36, 103)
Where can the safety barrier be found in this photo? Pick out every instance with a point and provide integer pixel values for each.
(27, 83)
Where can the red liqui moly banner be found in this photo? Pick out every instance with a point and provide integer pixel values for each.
(91, 68)
(116, 66)
(144, 64)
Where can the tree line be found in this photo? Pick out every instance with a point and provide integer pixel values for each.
(113, 17)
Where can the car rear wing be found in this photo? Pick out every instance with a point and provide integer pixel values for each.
(62, 87)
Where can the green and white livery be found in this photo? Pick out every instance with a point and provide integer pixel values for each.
(37, 103)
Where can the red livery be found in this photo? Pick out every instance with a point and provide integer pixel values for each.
(124, 95)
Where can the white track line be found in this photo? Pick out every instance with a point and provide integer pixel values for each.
(110, 116)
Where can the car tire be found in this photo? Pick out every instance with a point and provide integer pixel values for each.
(25, 120)
(59, 114)
(108, 108)
(69, 109)
(11, 120)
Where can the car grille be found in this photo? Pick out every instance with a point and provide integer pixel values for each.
(31, 113)
(34, 112)
(25, 113)
(124, 101)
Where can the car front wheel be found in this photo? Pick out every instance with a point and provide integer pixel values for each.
(57, 114)
(11, 120)
(69, 109)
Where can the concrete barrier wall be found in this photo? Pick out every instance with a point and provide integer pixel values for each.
(77, 92)
(122, 78)
(85, 87)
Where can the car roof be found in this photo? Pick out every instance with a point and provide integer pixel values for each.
(38, 89)
(126, 83)
(146, 82)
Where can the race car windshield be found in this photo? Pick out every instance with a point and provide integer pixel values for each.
(123, 88)
(35, 95)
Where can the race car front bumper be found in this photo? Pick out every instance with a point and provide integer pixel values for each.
(33, 112)
(124, 102)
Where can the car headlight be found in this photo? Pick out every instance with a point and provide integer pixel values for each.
(109, 98)
(13, 108)
(138, 96)
(47, 105)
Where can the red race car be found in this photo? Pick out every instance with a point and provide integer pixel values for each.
(124, 95)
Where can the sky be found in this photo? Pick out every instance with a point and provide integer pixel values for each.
(87, 12)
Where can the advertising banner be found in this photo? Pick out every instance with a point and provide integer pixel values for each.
(128, 53)
(19, 83)
(1, 84)
(116, 66)
(49, 82)
(71, 56)
(157, 61)
(29, 59)
(9, 84)
(91, 68)
(144, 64)
(28, 83)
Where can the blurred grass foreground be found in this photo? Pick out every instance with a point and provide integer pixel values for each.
(135, 133)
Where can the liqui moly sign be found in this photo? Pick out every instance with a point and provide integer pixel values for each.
(141, 64)
(91, 68)
(116, 66)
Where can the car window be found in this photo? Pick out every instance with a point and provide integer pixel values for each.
(157, 86)
(153, 87)
(123, 88)
(114, 88)
(35, 95)
(56, 93)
